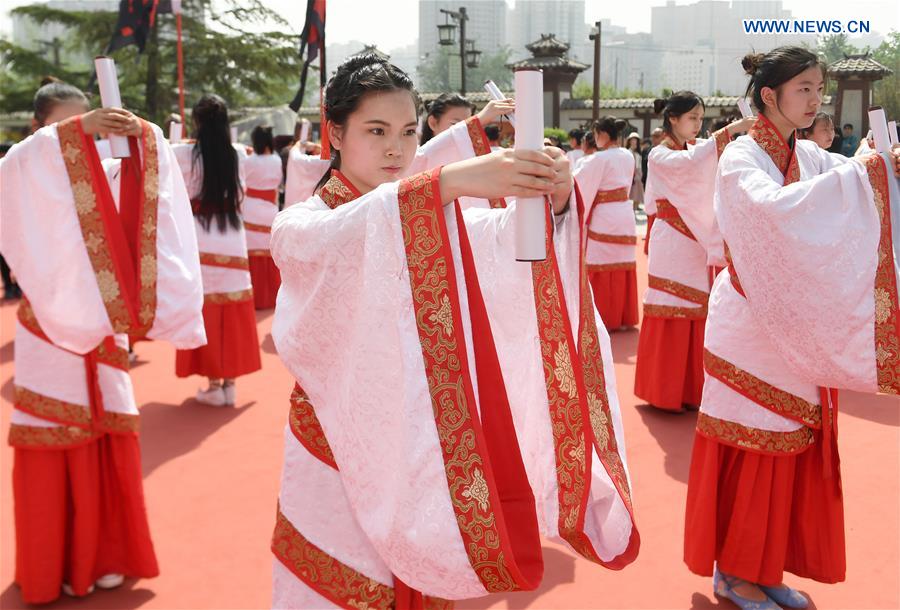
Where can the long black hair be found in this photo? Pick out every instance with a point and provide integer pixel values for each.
(221, 193)
(775, 68)
(675, 105)
(352, 80)
(51, 93)
(437, 107)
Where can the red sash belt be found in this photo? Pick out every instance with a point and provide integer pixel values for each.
(611, 196)
(270, 195)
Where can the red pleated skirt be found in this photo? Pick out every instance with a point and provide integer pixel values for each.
(761, 515)
(80, 515)
(616, 297)
(232, 344)
(669, 369)
(266, 280)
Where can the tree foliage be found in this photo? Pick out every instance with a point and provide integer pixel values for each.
(223, 50)
(441, 71)
(585, 90)
(887, 90)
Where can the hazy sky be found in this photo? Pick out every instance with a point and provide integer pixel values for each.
(394, 23)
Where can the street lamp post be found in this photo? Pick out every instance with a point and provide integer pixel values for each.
(468, 55)
(596, 33)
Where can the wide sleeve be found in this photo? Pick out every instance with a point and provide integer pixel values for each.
(462, 141)
(817, 264)
(589, 177)
(303, 172)
(346, 327)
(686, 178)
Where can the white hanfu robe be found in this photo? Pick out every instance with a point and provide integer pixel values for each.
(406, 391)
(809, 300)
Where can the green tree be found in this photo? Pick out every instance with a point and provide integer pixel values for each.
(834, 47)
(887, 90)
(585, 90)
(441, 71)
(222, 55)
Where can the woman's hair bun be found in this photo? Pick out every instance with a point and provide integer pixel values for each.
(659, 104)
(751, 62)
(621, 124)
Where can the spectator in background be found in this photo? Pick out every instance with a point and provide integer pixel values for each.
(821, 131)
(575, 138)
(849, 142)
(493, 135)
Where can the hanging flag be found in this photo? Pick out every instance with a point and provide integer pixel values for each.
(136, 17)
(312, 43)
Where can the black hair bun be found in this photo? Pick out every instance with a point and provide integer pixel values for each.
(621, 124)
(659, 104)
(751, 62)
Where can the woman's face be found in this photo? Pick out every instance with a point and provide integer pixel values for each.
(823, 134)
(687, 126)
(797, 100)
(452, 116)
(378, 142)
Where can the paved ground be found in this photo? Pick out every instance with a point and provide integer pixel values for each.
(211, 479)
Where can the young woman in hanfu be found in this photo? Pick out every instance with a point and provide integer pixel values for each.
(102, 252)
(405, 482)
(685, 250)
(213, 174)
(262, 171)
(808, 304)
(605, 180)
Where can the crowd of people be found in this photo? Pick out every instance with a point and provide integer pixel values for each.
(452, 405)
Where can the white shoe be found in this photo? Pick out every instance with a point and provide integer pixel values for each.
(68, 590)
(213, 396)
(230, 394)
(110, 581)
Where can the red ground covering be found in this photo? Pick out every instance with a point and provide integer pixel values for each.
(211, 480)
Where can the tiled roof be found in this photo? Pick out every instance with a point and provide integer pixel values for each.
(858, 65)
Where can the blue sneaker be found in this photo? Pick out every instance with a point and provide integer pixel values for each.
(723, 586)
(786, 596)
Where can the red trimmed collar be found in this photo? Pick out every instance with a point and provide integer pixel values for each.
(338, 190)
(773, 143)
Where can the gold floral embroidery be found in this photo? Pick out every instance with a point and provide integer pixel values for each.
(887, 320)
(600, 423)
(669, 213)
(769, 139)
(627, 240)
(723, 139)
(121, 422)
(563, 371)
(333, 580)
(478, 491)
(52, 409)
(223, 260)
(306, 427)
(617, 195)
(674, 313)
(223, 298)
(762, 393)
(444, 316)
(431, 273)
(337, 191)
(108, 285)
(755, 439)
(30, 437)
(682, 291)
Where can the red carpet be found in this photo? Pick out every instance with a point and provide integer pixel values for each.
(211, 479)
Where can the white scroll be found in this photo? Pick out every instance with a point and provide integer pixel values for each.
(892, 132)
(304, 130)
(531, 220)
(744, 106)
(495, 93)
(175, 133)
(878, 123)
(176, 7)
(111, 98)
(234, 135)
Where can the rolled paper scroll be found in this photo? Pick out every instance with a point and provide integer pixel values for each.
(174, 132)
(111, 98)
(531, 219)
(234, 135)
(892, 132)
(878, 122)
(304, 131)
(495, 93)
(744, 107)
